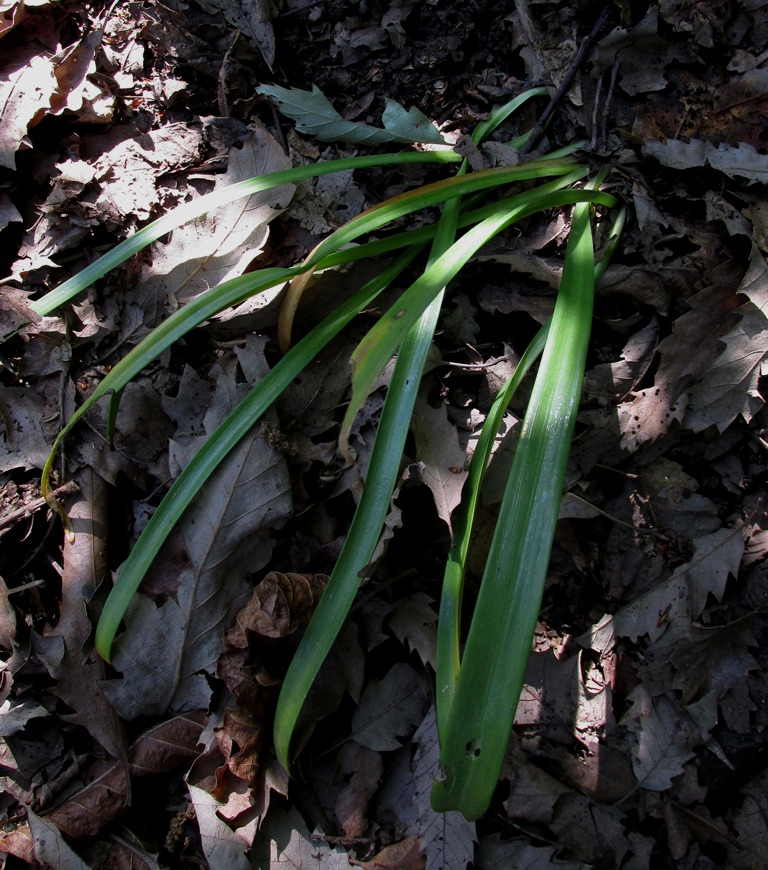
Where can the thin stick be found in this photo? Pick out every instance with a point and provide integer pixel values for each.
(27, 510)
(565, 84)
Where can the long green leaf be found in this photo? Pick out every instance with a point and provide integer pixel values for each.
(376, 348)
(449, 620)
(186, 487)
(476, 734)
(382, 474)
(371, 512)
(188, 211)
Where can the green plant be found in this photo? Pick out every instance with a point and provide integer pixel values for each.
(469, 687)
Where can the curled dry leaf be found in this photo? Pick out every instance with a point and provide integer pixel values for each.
(278, 606)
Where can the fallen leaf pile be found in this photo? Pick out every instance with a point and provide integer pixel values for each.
(641, 735)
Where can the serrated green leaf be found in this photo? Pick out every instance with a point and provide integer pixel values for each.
(409, 126)
(314, 115)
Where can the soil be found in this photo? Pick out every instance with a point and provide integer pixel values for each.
(666, 481)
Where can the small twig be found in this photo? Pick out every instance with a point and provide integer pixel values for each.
(608, 101)
(565, 84)
(33, 584)
(27, 510)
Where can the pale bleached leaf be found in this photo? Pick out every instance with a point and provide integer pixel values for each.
(221, 845)
(284, 843)
(662, 740)
(389, 709)
(314, 115)
(51, 849)
(447, 839)
(219, 245)
(441, 456)
(166, 651)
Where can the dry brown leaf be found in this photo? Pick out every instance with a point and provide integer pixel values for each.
(405, 855)
(158, 750)
(72, 66)
(18, 842)
(129, 162)
(413, 621)
(167, 650)
(219, 246)
(364, 766)
(222, 846)
(27, 85)
(278, 606)
(51, 849)
(664, 739)
(389, 709)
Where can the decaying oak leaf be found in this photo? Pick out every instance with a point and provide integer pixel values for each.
(167, 650)
(663, 740)
(364, 768)
(447, 839)
(389, 709)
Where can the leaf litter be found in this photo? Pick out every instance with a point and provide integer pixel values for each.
(641, 729)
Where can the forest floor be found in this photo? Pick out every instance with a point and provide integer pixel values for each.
(641, 738)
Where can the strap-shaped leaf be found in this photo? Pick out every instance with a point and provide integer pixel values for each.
(475, 736)
(224, 439)
(375, 350)
(190, 210)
